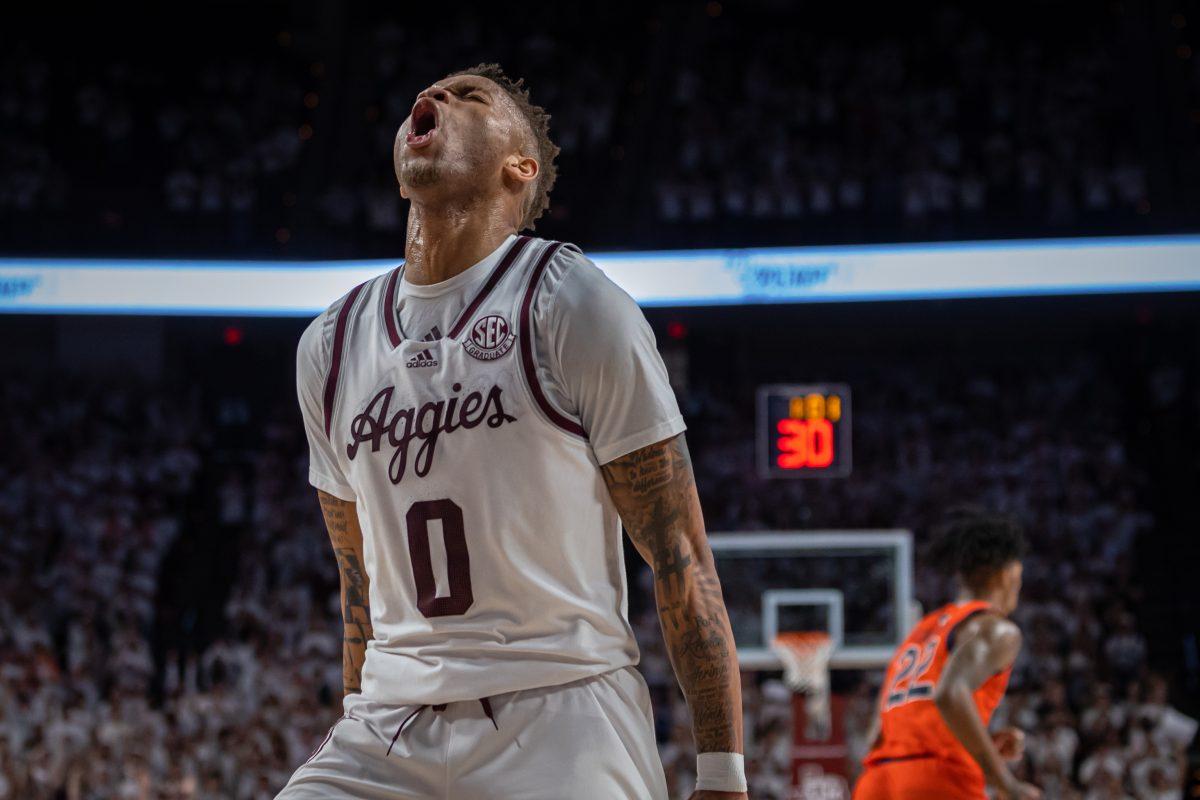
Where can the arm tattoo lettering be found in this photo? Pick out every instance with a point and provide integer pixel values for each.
(341, 520)
(655, 492)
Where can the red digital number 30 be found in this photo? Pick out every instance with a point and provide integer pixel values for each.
(805, 443)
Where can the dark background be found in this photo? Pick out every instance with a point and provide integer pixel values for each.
(265, 129)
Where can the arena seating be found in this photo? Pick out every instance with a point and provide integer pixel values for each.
(163, 595)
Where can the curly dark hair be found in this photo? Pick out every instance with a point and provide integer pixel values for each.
(539, 125)
(973, 544)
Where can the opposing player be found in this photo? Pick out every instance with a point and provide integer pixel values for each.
(480, 421)
(930, 740)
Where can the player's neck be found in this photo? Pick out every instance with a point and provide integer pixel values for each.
(991, 598)
(444, 241)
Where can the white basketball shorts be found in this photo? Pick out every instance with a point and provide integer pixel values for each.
(592, 739)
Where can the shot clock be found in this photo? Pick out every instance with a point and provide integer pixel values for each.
(804, 431)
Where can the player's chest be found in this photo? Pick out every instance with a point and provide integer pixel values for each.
(411, 409)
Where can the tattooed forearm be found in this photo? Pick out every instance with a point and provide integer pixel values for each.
(341, 520)
(655, 492)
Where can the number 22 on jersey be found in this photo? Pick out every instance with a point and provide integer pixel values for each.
(908, 685)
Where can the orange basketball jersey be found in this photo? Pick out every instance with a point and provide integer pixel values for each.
(911, 725)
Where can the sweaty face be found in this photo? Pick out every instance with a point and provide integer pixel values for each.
(458, 133)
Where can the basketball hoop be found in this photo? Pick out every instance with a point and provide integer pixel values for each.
(805, 656)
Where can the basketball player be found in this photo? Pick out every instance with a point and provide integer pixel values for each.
(930, 738)
(480, 421)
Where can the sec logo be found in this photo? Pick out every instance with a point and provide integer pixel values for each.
(489, 337)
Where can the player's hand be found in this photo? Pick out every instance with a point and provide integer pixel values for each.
(708, 795)
(1019, 790)
(1010, 743)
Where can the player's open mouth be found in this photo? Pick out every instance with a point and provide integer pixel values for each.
(424, 123)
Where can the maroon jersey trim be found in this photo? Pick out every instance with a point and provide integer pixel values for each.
(335, 365)
(389, 294)
(389, 308)
(514, 250)
(325, 741)
(530, 368)
(952, 634)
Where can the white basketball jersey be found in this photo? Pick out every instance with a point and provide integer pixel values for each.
(493, 548)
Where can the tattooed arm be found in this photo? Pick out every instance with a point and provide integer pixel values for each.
(655, 493)
(341, 519)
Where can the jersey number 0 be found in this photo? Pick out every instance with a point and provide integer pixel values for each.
(458, 561)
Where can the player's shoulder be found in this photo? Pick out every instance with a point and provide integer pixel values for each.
(318, 337)
(996, 626)
(573, 283)
(990, 626)
(560, 260)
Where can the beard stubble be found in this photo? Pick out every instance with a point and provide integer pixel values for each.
(471, 163)
(419, 173)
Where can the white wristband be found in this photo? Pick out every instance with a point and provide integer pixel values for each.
(721, 772)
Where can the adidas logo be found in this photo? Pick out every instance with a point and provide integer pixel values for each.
(425, 359)
(422, 359)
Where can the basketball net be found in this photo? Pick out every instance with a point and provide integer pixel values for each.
(805, 656)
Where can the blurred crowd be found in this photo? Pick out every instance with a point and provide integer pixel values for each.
(953, 121)
(124, 520)
(112, 147)
(940, 128)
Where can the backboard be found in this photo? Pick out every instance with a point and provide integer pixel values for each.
(855, 585)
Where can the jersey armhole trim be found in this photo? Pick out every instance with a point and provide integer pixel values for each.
(528, 363)
(950, 634)
(329, 485)
(389, 308)
(659, 432)
(498, 272)
(335, 362)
